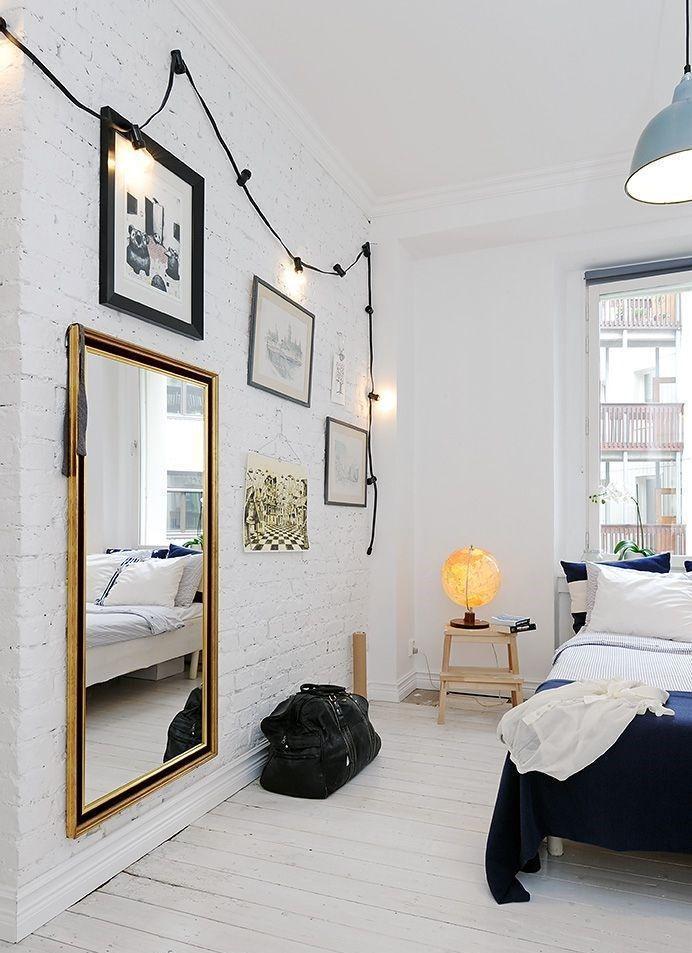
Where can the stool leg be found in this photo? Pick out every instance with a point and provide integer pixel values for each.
(446, 652)
(442, 702)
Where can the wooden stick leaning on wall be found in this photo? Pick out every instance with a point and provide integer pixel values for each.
(360, 664)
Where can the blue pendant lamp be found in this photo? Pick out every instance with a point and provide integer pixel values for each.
(661, 172)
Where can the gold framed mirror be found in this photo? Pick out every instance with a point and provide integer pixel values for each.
(141, 461)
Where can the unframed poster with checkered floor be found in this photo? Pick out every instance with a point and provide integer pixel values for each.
(276, 506)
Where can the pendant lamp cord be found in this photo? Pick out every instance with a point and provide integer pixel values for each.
(688, 68)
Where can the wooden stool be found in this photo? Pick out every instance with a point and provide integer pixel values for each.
(474, 676)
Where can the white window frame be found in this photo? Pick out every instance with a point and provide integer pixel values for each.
(595, 292)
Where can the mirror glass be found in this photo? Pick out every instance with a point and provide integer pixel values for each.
(144, 480)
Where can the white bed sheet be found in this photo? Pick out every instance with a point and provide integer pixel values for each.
(106, 629)
(661, 663)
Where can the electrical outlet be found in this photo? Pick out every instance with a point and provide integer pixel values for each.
(412, 648)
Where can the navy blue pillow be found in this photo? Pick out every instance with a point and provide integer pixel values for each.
(576, 575)
(174, 551)
(159, 554)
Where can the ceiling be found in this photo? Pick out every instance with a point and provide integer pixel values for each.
(417, 98)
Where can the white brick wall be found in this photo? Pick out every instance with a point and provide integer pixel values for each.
(283, 618)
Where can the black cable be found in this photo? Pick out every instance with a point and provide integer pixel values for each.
(178, 67)
(372, 479)
(688, 68)
(169, 87)
(44, 69)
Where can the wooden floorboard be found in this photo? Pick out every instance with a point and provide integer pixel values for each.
(393, 862)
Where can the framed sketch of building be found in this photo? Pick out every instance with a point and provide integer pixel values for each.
(281, 344)
(276, 506)
(345, 477)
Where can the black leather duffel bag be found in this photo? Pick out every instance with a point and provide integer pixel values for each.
(318, 740)
(185, 731)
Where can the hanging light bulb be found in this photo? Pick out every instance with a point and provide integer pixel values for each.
(661, 172)
(293, 277)
(134, 159)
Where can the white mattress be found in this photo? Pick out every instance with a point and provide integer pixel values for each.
(122, 627)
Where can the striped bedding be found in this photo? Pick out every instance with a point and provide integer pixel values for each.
(658, 662)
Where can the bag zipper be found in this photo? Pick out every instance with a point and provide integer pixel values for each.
(348, 740)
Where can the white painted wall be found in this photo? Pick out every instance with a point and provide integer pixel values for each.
(283, 619)
(496, 321)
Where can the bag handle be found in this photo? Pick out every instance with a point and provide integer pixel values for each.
(309, 689)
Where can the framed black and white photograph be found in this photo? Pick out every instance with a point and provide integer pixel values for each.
(276, 506)
(281, 343)
(152, 231)
(345, 476)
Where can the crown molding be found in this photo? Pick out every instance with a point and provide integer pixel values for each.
(220, 32)
(478, 190)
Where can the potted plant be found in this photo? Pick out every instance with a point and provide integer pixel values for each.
(612, 493)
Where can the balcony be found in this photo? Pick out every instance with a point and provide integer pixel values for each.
(661, 537)
(651, 312)
(642, 426)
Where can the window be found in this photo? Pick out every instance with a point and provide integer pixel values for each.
(183, 398)
(184, 503)
(640, 387)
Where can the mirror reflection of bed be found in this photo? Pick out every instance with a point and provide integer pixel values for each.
(144, 571)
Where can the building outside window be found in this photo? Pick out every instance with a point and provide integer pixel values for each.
(184, 503)
(183, 398)
(640, 387)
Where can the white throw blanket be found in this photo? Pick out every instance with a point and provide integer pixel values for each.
(562, 730)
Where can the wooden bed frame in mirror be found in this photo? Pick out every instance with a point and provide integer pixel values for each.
(126, 682)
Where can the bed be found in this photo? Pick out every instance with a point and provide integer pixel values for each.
(124, 639)
(635, 797)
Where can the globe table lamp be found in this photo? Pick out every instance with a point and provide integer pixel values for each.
(471, 578)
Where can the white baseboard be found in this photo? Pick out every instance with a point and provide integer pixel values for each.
(56, 889)
(8, 914)
(392, 691)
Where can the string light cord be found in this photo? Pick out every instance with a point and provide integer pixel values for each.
(178, 67)
(372, 397)
(44, 69)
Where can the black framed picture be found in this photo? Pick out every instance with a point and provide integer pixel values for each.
(151, 261)
(281, 343)
(345, 472)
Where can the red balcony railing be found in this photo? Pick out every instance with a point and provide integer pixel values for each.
(646, 312)
(642, 426)
(661, 537)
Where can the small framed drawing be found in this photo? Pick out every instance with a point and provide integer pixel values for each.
(281, 342)
(345, 478)
(151, 261)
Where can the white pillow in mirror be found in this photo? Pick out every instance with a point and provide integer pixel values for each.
(101, 566)
(190, 580)
(153, 582)
(657, 605)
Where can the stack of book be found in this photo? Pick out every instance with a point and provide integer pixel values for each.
(512, 623)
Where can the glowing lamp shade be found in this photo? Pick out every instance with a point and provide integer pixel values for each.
(661, 172)
(471, 578)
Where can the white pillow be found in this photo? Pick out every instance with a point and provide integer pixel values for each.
(627, 602)
(191, 578)
(153, 582)
(101, 566)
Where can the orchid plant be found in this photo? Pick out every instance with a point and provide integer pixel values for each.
(613, 493)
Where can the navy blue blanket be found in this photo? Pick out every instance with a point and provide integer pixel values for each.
(636, 796)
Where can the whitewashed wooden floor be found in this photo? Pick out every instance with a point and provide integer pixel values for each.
(393, 862)
(127, 728)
